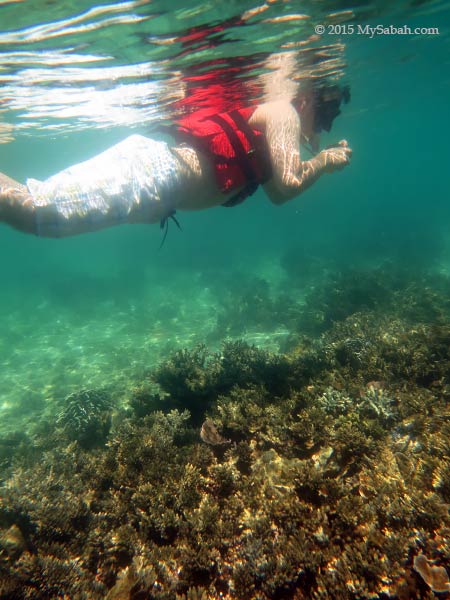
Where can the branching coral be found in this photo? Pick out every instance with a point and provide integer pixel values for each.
(334, 480)
(86, 416)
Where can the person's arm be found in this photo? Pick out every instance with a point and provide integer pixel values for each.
(291, 176)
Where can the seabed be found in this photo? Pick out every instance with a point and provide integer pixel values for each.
(283, 438)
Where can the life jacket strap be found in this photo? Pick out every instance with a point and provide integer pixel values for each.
(242, 155)
(239, 150)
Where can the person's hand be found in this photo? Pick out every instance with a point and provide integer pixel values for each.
(336, 157)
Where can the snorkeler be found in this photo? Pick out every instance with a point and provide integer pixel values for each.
(216, 160)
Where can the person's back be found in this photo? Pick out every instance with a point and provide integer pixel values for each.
(220, 160)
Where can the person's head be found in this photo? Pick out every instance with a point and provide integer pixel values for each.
(318, 105)
(327, 102)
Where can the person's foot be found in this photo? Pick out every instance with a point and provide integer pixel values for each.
(13, 190)
(16, 205)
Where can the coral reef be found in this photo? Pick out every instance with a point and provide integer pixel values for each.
(86, 417)
(192, 379)
(319, 473)
(249, 306)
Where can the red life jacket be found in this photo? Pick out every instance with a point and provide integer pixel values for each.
(240, 154)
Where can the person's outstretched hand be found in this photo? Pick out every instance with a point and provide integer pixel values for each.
(336, 157)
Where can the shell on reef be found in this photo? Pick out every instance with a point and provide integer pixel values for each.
(435, 577)
(132, 580)
(123, 586)
(13, 542)
(210, 435)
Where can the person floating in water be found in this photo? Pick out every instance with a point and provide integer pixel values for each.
(216, 160)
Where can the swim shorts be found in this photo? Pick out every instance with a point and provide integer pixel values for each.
(135, 181)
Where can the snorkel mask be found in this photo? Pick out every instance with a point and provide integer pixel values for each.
(328, 100)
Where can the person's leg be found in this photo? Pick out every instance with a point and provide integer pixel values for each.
(16, 205)
(120, 185)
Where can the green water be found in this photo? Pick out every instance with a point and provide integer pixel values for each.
(102, 309)
(258, 409)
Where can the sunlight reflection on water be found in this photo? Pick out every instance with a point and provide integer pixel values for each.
(72, 65)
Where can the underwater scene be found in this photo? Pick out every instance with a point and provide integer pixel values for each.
(249, 401)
